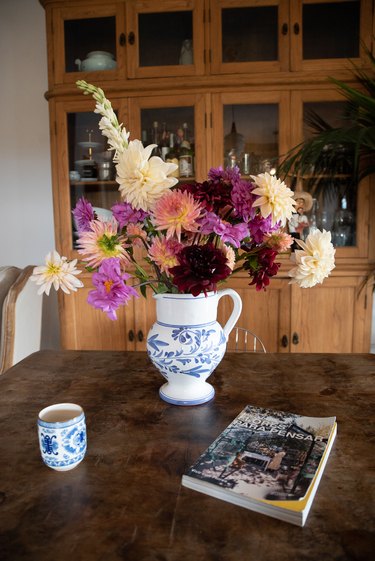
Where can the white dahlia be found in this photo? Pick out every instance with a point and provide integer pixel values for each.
(57, 271)
(275, 198)
(143, 179)
(314, 261)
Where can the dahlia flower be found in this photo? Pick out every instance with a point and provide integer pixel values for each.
(143, 179)
(314, 261)
(176, 212)
(164, 253)
(126, 214)
(229, 233)
(200, 268)
(279, 241)
(57, 271)
(83, 214)
(275, 198)
(102, 242)
(111, 290)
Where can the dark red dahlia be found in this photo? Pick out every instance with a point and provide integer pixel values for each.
(261, 267)
(213, 196)
(200, 268)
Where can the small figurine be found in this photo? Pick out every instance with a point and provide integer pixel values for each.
(298, 221)
(186, 54)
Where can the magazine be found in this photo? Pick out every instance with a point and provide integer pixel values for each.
(268, 461)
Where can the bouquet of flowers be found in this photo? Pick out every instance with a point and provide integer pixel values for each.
(192, 236)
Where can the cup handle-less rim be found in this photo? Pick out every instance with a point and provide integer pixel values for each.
(61, 424)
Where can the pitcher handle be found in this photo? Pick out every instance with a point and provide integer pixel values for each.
(237, 308)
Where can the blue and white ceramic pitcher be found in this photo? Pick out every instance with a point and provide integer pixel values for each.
(187, 343)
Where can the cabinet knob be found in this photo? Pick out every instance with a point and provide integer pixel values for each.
(284, 341)
(122, 39)
(131, 335)
(296, 28)
(295, 339)
(131, 38)
(140, 335)
(284, 29)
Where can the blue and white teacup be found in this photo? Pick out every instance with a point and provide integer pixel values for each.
(62, 435)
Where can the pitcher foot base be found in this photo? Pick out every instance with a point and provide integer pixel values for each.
(174, 400)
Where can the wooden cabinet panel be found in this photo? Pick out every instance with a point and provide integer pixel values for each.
(83, 327)
(323, 318)
(265, 313)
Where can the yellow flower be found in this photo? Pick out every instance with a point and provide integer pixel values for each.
(314, 261)
(143, 179)
(275, 198)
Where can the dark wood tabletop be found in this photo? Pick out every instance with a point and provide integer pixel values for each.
(125, 500)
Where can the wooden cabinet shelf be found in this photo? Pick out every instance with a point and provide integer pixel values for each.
(212, 64)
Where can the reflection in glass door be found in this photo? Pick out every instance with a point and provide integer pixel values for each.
(91, 169)
(330, 180)
(251, 137)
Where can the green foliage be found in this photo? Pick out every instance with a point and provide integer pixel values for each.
(354, 141)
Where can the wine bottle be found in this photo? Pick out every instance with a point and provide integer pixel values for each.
(172, 156)
(156, 139)
(185, 160)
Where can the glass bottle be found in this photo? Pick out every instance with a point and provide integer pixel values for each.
(185, 159)
(343, 225)
(172, 156)
(156, 139)
(313, 222)
(164, 142)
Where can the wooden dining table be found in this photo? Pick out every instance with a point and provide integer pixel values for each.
(125, 500)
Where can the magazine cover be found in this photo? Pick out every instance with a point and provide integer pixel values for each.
(265, 455)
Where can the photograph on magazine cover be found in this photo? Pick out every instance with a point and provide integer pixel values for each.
(266, 454)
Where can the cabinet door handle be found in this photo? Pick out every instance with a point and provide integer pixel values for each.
(122, 39)
(140, 335)
(295, 339)
(284, 29)
(131, 38)
(284, 341)
(131, 335)
(296, 28)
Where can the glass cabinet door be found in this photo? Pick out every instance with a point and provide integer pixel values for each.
(250, 130)
(165, 38)
(249, 36)
(325, 34)
(89, 40)
(85, 169)
(175, 124)
(337, 202)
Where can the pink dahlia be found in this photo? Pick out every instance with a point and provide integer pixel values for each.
(229, 233)
(279, 241)
(111, 290)
(83, 214)
(164, 253)
(102, 242)
(176, 212)
(125, 214)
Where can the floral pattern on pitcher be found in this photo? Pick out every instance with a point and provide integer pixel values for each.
(187, 351)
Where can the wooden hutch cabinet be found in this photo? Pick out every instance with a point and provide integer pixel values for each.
(240, 76)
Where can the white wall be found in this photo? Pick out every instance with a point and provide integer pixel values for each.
(26, 214)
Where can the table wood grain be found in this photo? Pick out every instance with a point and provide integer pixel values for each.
(125, 500)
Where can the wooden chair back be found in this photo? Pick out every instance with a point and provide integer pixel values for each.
(21, 320)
